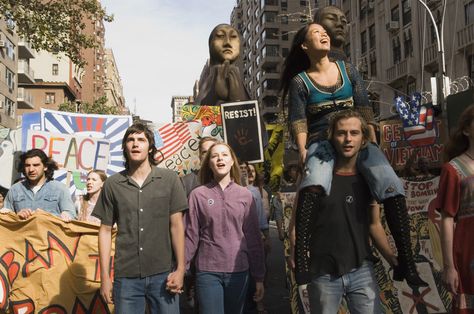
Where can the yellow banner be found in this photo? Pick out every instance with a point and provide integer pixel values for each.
(49, 266)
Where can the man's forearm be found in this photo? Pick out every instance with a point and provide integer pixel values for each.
(105, 246)
(177, 239)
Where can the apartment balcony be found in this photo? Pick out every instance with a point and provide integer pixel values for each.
(25, 74)
(24, 49)
(270, 75)
(465, 36)
(269, 60)
(24, 99)
(397, 71)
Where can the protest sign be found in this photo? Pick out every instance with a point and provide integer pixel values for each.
(74, 153)
(398, 149)
(209, 116)
(50, 266)
(242, 130)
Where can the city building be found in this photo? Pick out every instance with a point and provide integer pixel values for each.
(177, 102)
(9, 73)
(392, 43)
(57, 80)
(113, 83)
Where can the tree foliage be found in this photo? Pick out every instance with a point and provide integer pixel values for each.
(98, 107)
(55, 25)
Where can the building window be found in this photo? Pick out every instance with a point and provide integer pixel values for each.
(373, 65)
(469, 13)
(270, 51)
(332, 2)
(303, 3)
(271, 84)
(55, 69)
(407, 43)
(10, 49)
(372, 36)
(363, 8)
(268, 2)
(363, 42)
(285, 52)
(284, 20)
(270, 33)
(284, 36)
(396, 50)
(9, 107)
(395, 14)
(406, 11)
(284, 5)
(10, 79)
(269, 17)
(50, 98)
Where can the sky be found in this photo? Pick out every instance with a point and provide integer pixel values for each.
(160, 47)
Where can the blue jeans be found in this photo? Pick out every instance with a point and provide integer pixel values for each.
(359, 287)
(382, 180)
(220, 293)
(130, 295)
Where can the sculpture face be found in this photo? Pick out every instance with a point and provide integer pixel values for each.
(335, 23)
(224, 44)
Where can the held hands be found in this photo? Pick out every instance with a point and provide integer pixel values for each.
(174, 283)
(25, 213)
(451, 279)
(65, 216)
(259, 292)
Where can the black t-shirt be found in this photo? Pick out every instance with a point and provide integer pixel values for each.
(340, 238)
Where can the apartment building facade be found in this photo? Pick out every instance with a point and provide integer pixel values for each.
(392, 42)
(113, 84)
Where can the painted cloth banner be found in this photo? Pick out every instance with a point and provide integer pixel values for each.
(178, 145)
(398, 297)
(274, 155)
(49, 266)
(10, 141)
(398, 149)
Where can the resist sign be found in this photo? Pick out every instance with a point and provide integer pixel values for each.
(74, 153)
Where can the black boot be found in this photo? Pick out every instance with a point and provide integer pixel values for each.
(399, 223)
(307, 206)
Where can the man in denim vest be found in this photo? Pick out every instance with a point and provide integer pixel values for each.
(39, 191)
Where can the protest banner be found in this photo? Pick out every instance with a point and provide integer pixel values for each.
(177, 146)
(209, 116)
(74, 153)
(273, 154)
(242, 130)
(398, 297)
(50, 266)
(398, 149)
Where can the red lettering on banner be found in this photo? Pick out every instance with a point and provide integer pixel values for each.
(95, 257)
(53, 241)
(53, 309)
(23, 307)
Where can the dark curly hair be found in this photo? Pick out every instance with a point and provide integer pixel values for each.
(139, 127)
(49, 163)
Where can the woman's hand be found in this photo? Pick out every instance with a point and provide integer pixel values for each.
(259, 292)
(451, 279)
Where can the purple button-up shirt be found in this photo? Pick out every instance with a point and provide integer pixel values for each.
(222, 226)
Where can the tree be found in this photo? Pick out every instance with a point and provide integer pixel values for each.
(99, 107)
(55, 25)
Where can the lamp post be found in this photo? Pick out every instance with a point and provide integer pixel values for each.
(442, 80)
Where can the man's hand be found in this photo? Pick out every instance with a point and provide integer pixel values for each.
(451, 279)
(174, 283)
(106, 290)
(25, 213)
(259, 292)
(5, 210)
(302, 155)
(65, 216)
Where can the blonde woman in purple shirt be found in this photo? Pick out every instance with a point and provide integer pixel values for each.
(222, 230)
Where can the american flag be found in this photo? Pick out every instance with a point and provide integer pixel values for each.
(410, 114)
(170, 138)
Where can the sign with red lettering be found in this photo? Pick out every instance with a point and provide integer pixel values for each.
(399, 149)
(74, 153)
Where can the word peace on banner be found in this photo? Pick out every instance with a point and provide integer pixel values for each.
(50, 266)
(74, 153)
(242, 130)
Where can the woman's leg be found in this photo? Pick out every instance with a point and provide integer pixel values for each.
(210, 292)
(387, 188)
